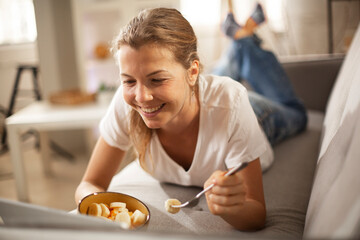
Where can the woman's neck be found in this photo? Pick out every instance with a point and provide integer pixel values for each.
(187, 120)
(180, 142)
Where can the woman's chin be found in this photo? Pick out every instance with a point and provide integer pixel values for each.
(152, 125)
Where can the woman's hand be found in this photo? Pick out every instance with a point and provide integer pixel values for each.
(238, 199)
(86, 188)
(228, 194)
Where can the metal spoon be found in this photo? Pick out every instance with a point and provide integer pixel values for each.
(194, 201)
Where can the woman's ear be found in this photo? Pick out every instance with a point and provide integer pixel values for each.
(193, 72)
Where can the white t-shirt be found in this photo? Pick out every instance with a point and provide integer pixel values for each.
(228, 134)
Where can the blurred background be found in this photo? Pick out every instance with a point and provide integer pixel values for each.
(68, 42)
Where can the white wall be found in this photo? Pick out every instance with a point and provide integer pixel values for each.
(308, 24)
(55, 45)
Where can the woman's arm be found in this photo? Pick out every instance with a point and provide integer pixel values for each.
(239, 199)
(104, 162)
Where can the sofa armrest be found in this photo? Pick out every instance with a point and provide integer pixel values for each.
(313, 77)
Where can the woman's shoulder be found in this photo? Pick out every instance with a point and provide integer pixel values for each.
(220, 90)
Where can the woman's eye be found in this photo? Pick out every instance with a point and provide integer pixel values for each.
(128, 82)
(157, 80)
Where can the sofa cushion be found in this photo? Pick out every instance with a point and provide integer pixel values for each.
(318, 71)
(334, 207)
(287, 186)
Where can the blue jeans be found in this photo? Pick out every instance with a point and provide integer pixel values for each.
(280, 113)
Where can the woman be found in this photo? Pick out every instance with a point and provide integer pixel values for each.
(180, 122)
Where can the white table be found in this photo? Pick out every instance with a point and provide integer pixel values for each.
(43, 116)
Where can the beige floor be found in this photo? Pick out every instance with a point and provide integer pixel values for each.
(56, 191)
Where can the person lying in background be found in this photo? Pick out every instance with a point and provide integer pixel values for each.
(279, 111)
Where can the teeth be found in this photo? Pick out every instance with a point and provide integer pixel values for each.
(150, 110)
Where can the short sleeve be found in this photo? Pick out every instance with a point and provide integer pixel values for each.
(114, 126)
(246, 140)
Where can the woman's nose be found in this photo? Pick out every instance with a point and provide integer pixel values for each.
(143, 94)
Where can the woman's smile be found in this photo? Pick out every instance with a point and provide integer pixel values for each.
(151, 111)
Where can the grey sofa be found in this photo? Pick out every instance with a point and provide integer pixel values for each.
(312, 190)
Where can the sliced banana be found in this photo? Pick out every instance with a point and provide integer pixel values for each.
(105, 212)
(94, 209)
(138, 218)
(117, 212)
(124, 219)
(119, 205)
(122, 209)
(169, 203)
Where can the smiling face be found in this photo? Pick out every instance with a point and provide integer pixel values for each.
(157, 87)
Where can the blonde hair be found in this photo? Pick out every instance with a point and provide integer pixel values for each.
(163, 27)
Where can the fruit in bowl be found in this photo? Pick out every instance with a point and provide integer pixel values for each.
(126, 210)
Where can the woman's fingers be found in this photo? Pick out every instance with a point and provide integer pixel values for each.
(213, 178)
(228, 190)
(225, 190)
(222, 180)
(225, 204)
(228, 193)
(227, 200)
